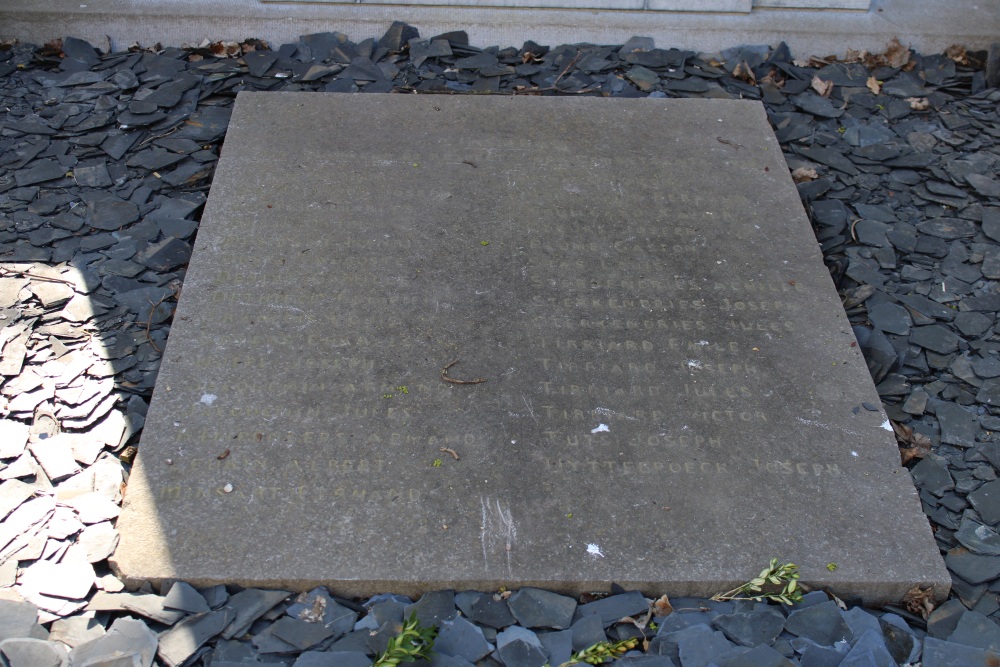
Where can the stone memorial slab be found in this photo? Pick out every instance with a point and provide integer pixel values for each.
(437, 342)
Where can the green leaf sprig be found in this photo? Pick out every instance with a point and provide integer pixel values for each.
(601, 651)
(414, 642)
(782, 575)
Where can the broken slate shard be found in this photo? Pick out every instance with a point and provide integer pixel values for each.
(471, 342)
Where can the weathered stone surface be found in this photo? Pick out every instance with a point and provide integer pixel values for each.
(611, 268)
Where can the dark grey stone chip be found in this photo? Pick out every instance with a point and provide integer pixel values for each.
(958, 426)
(433, 608)
(820, 623)
(615, 607)
(461, 639)
(537, 608)
(751, 628)
(935, 337)
(986, 500)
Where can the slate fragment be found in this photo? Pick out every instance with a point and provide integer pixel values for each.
(184, 639)
(519, 646)
(17, 619)
(821, 623)
(938, 653)
(537, 608)
(249, 605)
(397, 36)
(958, 426)
(485, 609)
(27, 652)
(978, 538)
(183, 597)
(128, 642)
(935, 337)
(111, 213)
(461, 639)
(751, 628)
(986, 501)
(433, 607)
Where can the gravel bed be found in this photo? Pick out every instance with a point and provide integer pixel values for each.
(106, 161)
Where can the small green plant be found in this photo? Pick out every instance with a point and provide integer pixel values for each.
(437, 463)
(414, 642)
(484, 243)
(601, 651)
(781, 578)
(832, 567)
(403, 389)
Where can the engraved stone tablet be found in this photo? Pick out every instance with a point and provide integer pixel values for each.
(471, 342)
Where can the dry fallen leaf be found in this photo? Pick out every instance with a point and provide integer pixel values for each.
(804, 175)
(919, 103)
(912, 445)
(824, 88)
(853, 56)
(874, 85)
(745, 73)
(662, 607)
(957, 53)
(919, 601)
(896, 55)
(773, 78)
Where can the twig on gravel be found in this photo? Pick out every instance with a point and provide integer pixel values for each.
(4, 272)
(444, 376)
(149, 320)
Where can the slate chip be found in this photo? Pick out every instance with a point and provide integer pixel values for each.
(111, 213)
(986, 500)
(751, 628)
(433, 607)
(537, 608)
(820, 623)
(614, 607)
(461, 639)
(485, 609)
(935, 337)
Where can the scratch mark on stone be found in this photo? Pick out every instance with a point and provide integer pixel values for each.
(531, 410)
(497, 532)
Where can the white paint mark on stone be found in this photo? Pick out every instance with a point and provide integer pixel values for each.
(703, 343)
(693, 363)
(208, 399)
(601, 428)
(886, 425)
(497, 532)
(611, 413)
(854, 454)
(594, 550)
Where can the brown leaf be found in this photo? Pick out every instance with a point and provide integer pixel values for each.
(824, 88)
(853, 56)
(745, 73)
(957, 53)
(804, 175)
(774, 78)
(912, 445)
(919, 103)
(874, 85)
(919, 601)
(662, 607)
(896, 55)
